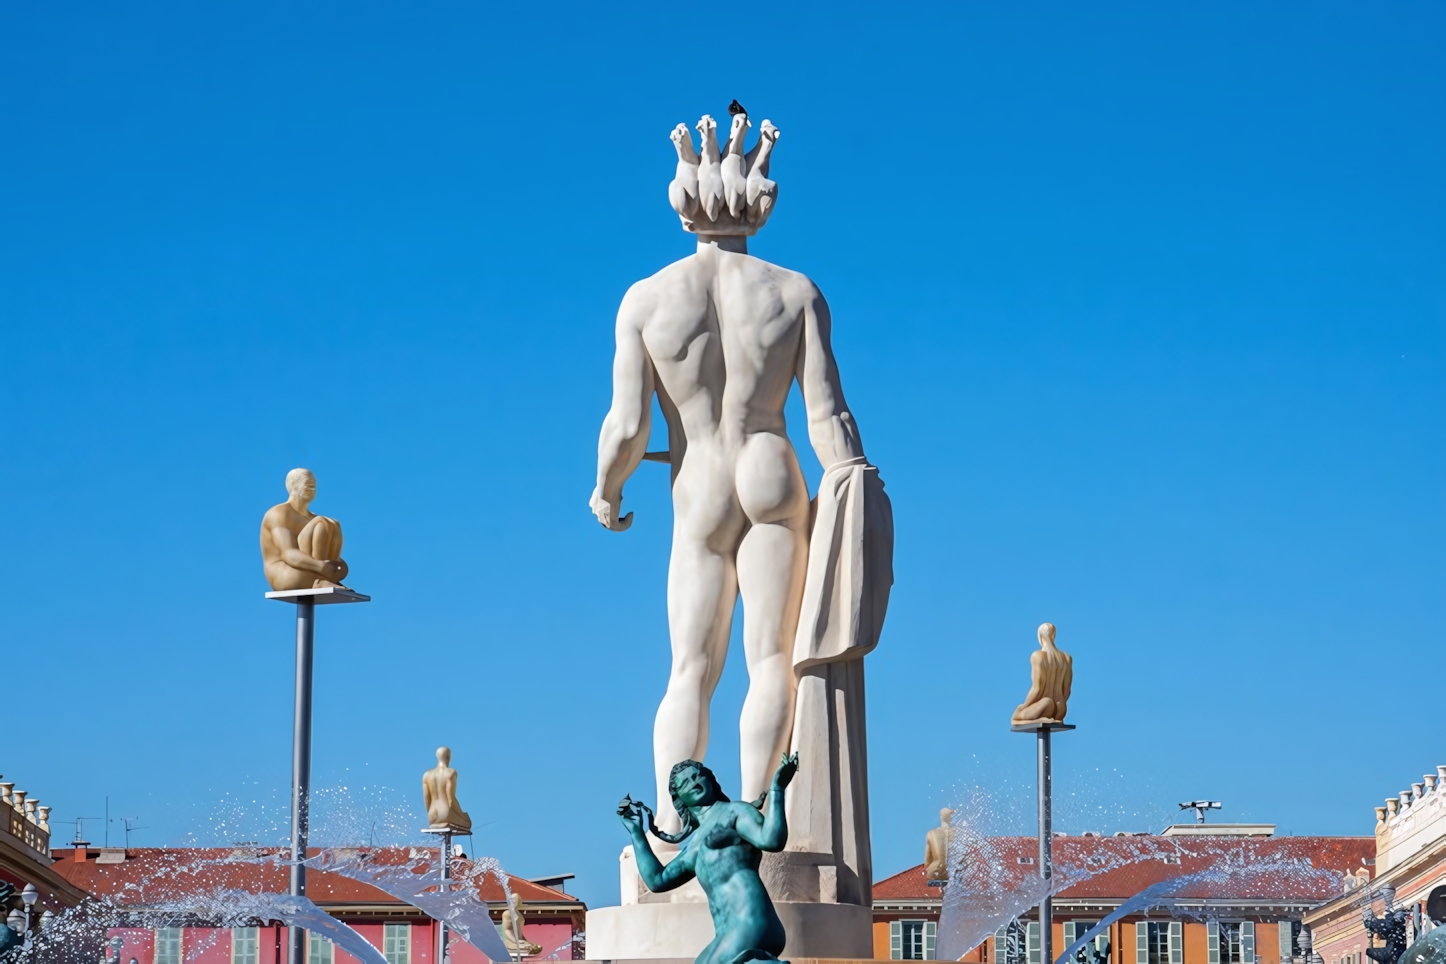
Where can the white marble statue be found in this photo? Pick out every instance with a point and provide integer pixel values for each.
(719, 337)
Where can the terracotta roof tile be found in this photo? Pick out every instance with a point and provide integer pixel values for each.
(1130, 864)
(151, 874)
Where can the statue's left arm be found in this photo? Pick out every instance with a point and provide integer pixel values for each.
(831, 427)
(769, 831)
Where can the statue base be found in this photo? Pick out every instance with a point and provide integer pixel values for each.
(661, 931)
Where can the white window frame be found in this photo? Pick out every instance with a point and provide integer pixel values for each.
(164, 936)
(242, 954)
(319, 950)
(397, 943)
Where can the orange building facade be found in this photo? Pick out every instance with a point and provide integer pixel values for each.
(1228, 922)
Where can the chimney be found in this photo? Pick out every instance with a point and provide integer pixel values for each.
(80, 848)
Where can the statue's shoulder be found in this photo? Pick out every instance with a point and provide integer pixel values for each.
(667, 284)
(789, 282)
(277, 515)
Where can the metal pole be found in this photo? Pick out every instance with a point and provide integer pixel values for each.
(1046, 855)
(446, 876)
(301, 765)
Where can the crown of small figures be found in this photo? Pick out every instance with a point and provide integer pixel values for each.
(724, 190)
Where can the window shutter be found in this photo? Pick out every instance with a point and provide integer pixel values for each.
(1142, 943)
(1212, 942)
(1177, 942)
(896, 941)
(1247, 941)
(931, 936)
(1032, 942)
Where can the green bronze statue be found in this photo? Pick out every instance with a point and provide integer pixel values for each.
(722, 845)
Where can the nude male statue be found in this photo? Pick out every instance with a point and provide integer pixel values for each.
(439, 795)
(1051, 674)
(720, 337)
(936, 848)
(300, 549)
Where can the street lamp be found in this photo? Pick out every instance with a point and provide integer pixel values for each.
(29, 896)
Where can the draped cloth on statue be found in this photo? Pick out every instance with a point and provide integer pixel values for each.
(845, 596)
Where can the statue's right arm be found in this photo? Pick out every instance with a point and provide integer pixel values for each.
(659, 877)
(624, 436)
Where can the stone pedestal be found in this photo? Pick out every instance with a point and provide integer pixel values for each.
(676, 926)
(657, 932)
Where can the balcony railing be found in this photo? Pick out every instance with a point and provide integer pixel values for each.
(24, 819)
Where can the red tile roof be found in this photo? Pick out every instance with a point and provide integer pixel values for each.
(152, 874)
(1119, 867)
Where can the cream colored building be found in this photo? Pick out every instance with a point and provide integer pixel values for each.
(1410, 857)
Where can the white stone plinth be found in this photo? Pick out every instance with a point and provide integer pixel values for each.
(653, 931)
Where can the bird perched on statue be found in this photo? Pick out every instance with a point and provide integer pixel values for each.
(735, 182)
(761, 192)
(710, 178)
(736, 108)
(683, 191)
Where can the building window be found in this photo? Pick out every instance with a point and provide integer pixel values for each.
(397, 943)
(912, 940)
(1009, 944)
(1157, 942)
(244, 945)
(168, 945)
(319, 951)
(1097, 951)
(1230, 942)
(1160, 942)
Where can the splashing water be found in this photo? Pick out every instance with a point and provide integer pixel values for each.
(1168, 894)
(414, 876)
(80, 932)
(994, 879)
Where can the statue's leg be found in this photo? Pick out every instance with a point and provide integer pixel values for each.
(320, 538)
(772, 560)
(702, 589)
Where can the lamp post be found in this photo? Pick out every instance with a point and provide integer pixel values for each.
(29, 895)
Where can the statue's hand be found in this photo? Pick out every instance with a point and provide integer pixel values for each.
(631, 813)
(787, 767)
(607, 512)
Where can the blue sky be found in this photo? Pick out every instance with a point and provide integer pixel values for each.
(1139, 308)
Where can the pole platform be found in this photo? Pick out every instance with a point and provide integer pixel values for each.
(330, 594)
